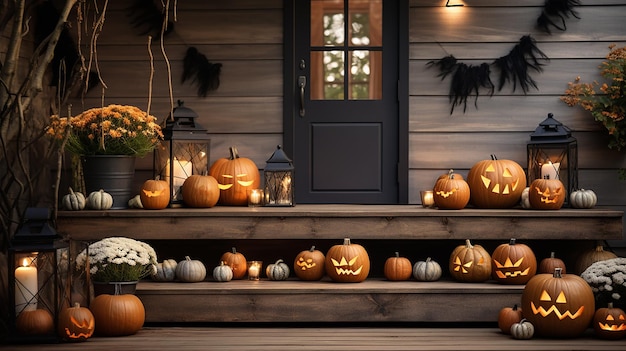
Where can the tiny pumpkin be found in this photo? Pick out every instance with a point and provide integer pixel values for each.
(546, 194)
(74, 201)
(507, 317)
(609, 322)
(166, 271)
(470, 263)
(278, 270)
(548, 264)
(427, 271)
(190, 271)
(523, 330)
(309, 264)
(398, 268)
(451, 192)
(200, 191)
(34, 322)
(222, 273)
(155, 194)
(76, 323)
(583, 198)
(99, 200)
(237, 262)
(117, 315)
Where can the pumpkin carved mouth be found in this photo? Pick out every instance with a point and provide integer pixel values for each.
(446, 193)
(344, 263)
(304, 265)
(612, 327)
(509, 264)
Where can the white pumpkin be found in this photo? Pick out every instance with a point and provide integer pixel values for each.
(135, 202)
(583, 198)
(166, 271)
(190, 271)
(524, 199)
(99, 200)
(74, 201)
(427, 271)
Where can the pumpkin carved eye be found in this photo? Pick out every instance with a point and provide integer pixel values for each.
(546, 297)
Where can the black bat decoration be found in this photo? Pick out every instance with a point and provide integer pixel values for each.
(204, 73)
(148, 18)
(555, 11)
(471, 79)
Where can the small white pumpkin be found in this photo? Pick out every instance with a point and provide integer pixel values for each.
(524, 199)
(277, 271)
(523, 330)
(74, 201)
(99, 200)
(190, 271)
(583, 198)
(427, 271)
(135, 202)
(166, 271)
(222, 273)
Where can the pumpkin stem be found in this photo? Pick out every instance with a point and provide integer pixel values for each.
(71, 191)
(234, 250)
(428, 259)
(346, 241)
(552, 254)
(515, 307)
(557, 273)
(468, 244)
(187, 258)
(512, 241)
(77, 304)
(609, 305)
(280, 260)
(493, 157)
(397, 254)
(312, 248)
(233, 153)
(450, 172)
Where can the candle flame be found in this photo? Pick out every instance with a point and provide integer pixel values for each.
(25, 262)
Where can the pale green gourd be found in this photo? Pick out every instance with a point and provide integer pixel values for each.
(277, 271)
(74, 201)
(190, 271)
(166, 271)
(99, 200)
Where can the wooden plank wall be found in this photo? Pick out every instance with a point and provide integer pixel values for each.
(246, 111)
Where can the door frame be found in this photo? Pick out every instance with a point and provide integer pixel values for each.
(291, 92)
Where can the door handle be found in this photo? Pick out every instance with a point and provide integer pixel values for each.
(301, 85)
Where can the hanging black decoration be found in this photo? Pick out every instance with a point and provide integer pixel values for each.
(205, 74)
(514, 66)
(148, 18)
(555, 11)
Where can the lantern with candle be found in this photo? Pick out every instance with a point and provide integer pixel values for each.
(39, 278)
(185, 151)
(279, 180)
(553, 154)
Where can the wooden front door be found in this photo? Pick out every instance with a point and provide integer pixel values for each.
(342, 120)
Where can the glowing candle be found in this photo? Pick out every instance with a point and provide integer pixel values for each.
(427, 198)
(25, 288)
(182, 170)
(255, 198)
(550, 170)
(254, 270)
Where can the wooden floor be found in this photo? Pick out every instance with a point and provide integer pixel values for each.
(324, 338)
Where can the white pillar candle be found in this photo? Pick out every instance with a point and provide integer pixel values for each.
(550, 170)
(25, 288)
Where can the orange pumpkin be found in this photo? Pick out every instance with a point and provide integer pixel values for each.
(470, 263)
(507, 317)
(237, 262)
(117, 315)
(548, 264)
(200, 191)
(513, 263)
(76, 323)
(546, 194)
(347, 263)
(589, 257)
(496, 183)
(35, 322)
(155, 194)
(309, 264)
(398, 268)
(610, 322)
(451, 192)
(235, 176)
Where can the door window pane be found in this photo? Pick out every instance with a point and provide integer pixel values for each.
(328, 82)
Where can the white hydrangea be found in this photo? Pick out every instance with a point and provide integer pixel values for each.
(607, 277)
(118, 259)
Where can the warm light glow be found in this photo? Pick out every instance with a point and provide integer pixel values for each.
(454, 3)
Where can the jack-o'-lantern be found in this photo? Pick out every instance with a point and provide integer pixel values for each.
(155, 194)
(76, 323)
(546, 194)
(496, 183)
(237, 262)
(558, 305)
(610, 322)
(235, 176)
(309, 264)
(513, 263)
(470, 263)
(347, 263)
(451, 192)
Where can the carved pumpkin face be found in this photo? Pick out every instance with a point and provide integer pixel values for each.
(76, 323)
(610, 322)
(513, 263)
(451, 192)
(558, 305)
(546, 194)
(347, 263)
(496, 183)
(309, 264)
(155, 194)
(470, 263)
(235, 176)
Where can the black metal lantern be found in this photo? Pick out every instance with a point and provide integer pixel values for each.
(553, 154)
(39, 279)
(185, 151)
(279, 180)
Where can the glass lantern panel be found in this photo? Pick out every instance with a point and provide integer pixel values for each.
(278, 188)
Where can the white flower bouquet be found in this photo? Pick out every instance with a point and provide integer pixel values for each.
(607, 279)
(118, 259)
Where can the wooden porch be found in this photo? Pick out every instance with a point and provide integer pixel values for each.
(315, 338)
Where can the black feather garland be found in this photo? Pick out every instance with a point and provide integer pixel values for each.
(205, 74)
(148, 18)
(554, 14)
(471, 79)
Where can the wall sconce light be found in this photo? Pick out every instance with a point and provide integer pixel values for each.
(453, 5)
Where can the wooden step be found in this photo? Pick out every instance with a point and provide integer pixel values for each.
(373, 300)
